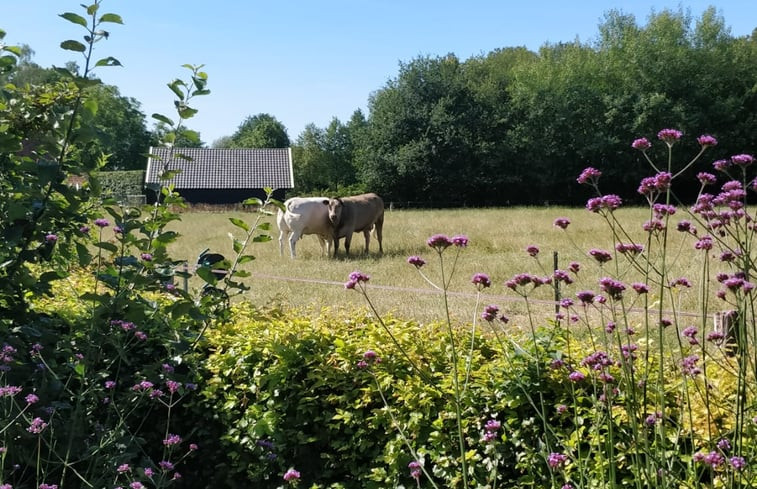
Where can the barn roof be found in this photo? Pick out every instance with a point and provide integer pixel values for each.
(210, 168)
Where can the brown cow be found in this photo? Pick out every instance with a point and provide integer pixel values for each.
(359, 213)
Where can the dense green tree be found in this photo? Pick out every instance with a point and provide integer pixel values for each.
(115, 124)
(324, 159)
(518, 126)
(424, 135)
(120, 129)
(260, 131)
(185, 138)
(222, 142)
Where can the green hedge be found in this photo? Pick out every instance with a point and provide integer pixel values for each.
(286, 391)
(121, 184)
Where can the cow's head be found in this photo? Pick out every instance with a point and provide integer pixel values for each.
(335, 211)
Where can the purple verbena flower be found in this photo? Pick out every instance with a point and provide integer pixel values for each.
(490, 313)
(291, 476)
(556, 459)
(613, 287)
(415, 469)
(706, 178)
(576, 376)
(589, 175)
(742, 160)
(532, 250)
(640, 288)
(439, 242)
(562, 222)
(630, 248)
(36, 426)
(416, 261)
(585, 296)
(738, 463)
(642, 144)
(172, 440)
(601, 256)
(460, 241)
(481, 281)
(355, 278)
(669, 136)
(706, 140)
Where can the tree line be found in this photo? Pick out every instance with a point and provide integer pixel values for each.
(512, 126)
(517, 127)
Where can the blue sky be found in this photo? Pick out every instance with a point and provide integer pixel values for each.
(309, 61)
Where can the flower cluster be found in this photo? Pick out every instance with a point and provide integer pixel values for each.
(555, 460)
(356, 277)
(415, 469)
(370, 358)
(490, 430)
(490, 314)
(441, 242)
(292, 476)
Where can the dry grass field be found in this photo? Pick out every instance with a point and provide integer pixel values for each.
(498, 239)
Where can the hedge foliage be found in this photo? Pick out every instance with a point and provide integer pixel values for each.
(121, 184)
(288, 391)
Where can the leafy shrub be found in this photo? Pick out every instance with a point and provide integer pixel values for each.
(119, 185)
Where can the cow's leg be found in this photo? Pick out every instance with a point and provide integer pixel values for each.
(347, 241)
(282, 237)
(367, 234)
(321, 242)
(336, 245)
(379, 234)
(329, 245)
(293, 241)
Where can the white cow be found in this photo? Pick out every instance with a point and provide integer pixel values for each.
(305, 215)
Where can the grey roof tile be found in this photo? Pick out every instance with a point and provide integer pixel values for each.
(223, 168)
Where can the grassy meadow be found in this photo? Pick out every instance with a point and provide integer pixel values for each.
(498, 239)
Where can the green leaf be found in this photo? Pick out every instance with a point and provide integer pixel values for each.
(6, 61)
(245, 259)
(114, 18)
(174, 86)
(167, 237)
(261, 238)
(239, 223)
(206, 274)
(85, 257)
(91, 296)
(237, 246)
(187, 112)
(75, 18)
(71, 45)
(79, 369)
(163, 119)
(241, 273)
(109, 61)
(253, 201)
(264, 226)
(91, 106)
(107, 246)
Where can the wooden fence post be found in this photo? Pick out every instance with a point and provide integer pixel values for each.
(727, 324)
